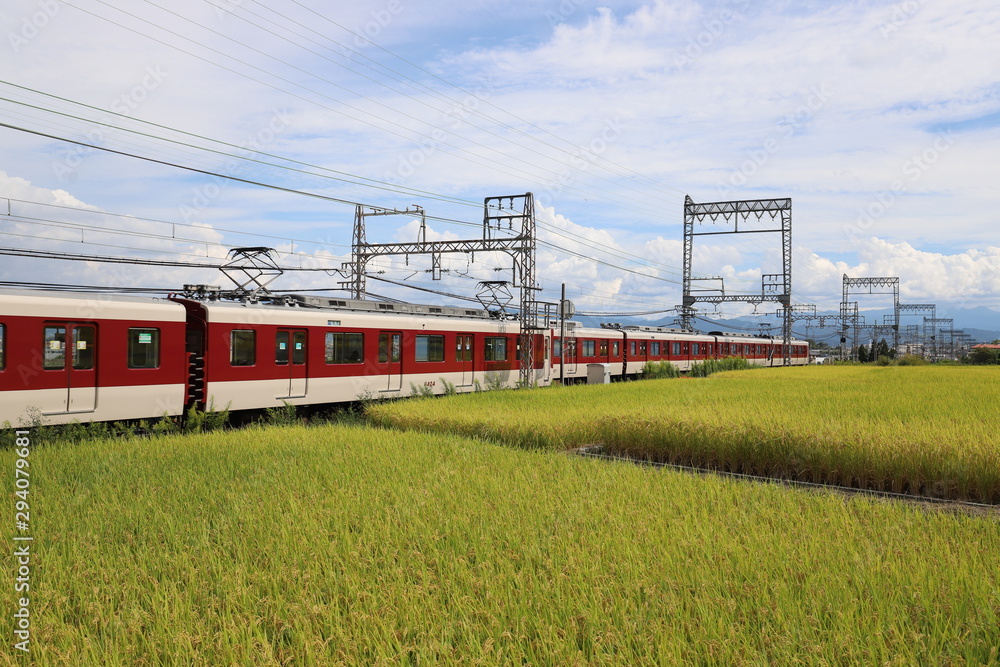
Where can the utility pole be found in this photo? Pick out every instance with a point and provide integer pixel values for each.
(562, 336)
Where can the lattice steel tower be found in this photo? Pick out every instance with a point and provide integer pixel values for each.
(775, 287)
(513, 213)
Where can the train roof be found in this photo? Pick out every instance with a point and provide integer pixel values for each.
(299, 310)
(307, 301)
(78, 305)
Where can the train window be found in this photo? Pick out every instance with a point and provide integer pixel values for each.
(655, 348)
(463, 348)
(84, 346)
(243, 347)
(603, 349)
(588, 348)
(54, 344)
(281, 348)
(345, 348)
(632, 349)
(384, 348)
(616, 348)
(298, 347)
(495, 348)
(642, 348)
(557, 348)
(429, 348)
(695, 349)
(677, 348)
(3, 357)
(143, 348)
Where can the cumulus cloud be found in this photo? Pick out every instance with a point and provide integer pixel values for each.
(839, 105)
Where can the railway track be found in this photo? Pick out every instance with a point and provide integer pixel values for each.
(600, 452)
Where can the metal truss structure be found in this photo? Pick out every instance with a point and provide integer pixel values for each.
(775, 287)
(931, 327)
(871, 285)
(911, 330)
(508, 227)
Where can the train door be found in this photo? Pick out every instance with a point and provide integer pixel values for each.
(70, 359)
(390, 356)
(290, 352)
(569, 355)
(464, 355)
(547, 358)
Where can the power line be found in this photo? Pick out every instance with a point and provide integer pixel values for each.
(364, 117)
(76, 257)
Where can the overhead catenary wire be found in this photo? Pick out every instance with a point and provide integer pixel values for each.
(364, 117)
(458, 88)
(76, 257)
(236, 14)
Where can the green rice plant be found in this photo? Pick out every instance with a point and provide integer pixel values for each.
(705, 368)
(660, 370)
(210, 419)
(358, 546)
(927, 430)
(283, 415)
(421, 391)
(911, 360)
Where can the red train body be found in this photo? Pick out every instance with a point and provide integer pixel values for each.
(68, 357)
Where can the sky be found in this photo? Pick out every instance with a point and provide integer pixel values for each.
(880, 120)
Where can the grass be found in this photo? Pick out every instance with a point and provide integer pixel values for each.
(351, 545)
(926, 430)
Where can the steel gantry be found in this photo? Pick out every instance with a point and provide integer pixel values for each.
(931, 325)
(775, 287)
(917, 309)
(871, 285)
(508, 227)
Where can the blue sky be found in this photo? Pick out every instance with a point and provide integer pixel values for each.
(878, 119)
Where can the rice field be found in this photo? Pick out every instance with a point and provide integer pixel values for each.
(359, 546)
(928, 430)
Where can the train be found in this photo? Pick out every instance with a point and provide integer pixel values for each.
(73, 356)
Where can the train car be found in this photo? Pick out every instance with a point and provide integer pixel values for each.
(626, 350)
(71, 357)
(86, 357)
(313, 350)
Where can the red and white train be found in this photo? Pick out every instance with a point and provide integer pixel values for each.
(94, 357)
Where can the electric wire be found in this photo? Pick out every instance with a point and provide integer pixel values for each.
(469, 156)
(382, 83)
(448, 83)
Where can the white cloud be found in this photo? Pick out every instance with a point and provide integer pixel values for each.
(829, 103)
